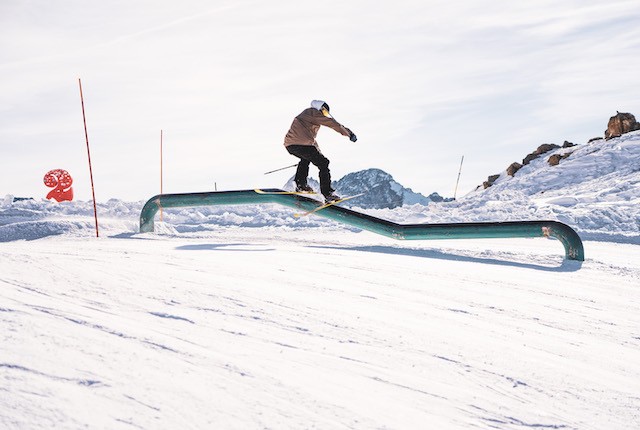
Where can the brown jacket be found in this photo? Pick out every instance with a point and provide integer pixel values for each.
(305, 126)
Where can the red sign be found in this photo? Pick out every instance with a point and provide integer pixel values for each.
(60, 180)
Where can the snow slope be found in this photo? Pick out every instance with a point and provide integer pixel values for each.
(269, 328)
(245, 318)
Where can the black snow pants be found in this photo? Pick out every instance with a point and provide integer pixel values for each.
(310, 154)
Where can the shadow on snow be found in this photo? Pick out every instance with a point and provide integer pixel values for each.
(566, 266)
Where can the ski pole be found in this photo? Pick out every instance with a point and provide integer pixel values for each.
(458, 180)
(282, 168)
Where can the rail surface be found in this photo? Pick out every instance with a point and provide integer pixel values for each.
(572, 243)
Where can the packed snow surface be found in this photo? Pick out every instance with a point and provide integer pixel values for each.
(247, 318)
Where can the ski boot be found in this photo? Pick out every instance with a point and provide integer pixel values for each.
(304, 189)
(331, 197)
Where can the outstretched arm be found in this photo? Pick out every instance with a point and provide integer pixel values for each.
(335, 125)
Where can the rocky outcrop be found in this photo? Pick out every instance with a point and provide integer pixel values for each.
(620, 124)
(513, 168)
(542, 149)
(554, 160)
(490, 180)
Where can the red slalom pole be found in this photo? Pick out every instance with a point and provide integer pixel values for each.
(86, 136)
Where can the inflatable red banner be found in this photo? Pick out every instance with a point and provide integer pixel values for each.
(60, 180)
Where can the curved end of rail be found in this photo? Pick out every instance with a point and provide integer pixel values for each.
(573, 248)
(148, 213)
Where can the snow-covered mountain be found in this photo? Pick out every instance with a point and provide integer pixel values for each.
(381, 190)
(595, 184)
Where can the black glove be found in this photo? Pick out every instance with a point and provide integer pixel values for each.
(353, 137)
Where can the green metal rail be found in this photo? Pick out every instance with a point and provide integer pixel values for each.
(476, 230)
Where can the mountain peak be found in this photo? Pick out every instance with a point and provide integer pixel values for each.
(381, 190)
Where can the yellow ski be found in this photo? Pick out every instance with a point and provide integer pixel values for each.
(301, 193)
(326, 205)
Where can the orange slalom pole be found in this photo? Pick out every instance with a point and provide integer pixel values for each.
(86, 136)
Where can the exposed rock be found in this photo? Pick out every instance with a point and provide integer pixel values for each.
(620, 124)
(513, 168)
(544, 148)
(490, 180)
(568, 144)
(554, 160)
(435, 197)
(593, 139)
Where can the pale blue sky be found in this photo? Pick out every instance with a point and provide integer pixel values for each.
(420, 82)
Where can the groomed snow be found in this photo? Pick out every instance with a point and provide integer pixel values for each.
(245, 318)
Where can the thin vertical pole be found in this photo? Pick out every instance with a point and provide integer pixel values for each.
(458, 180)
(161, 172)
(86, 136)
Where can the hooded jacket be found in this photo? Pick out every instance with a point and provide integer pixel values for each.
(305, 126)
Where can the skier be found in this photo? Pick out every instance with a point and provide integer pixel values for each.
(300, 141)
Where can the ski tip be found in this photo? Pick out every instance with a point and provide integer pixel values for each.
(326, 205)
(282, 192)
